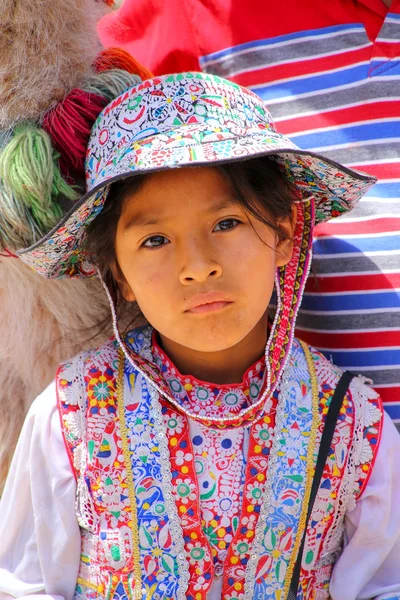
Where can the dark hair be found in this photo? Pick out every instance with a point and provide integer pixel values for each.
(261, 188)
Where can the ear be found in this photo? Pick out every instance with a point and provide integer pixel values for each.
(284, 246)
(122, 283)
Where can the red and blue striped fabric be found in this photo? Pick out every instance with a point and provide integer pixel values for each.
(330, 75)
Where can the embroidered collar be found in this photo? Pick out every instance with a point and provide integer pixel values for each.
(203, 398)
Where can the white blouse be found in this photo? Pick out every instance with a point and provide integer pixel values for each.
(40, 538)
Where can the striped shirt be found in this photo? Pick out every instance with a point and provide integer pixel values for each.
(330, 76)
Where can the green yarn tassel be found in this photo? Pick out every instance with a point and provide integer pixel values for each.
(16, 224)
(110, 84)
(30, 187)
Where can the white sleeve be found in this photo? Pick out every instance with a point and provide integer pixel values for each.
(39, 534)
(369, 566)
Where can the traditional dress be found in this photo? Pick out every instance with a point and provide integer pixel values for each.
(171, 507)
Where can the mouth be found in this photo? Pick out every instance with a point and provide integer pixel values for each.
(209, 302)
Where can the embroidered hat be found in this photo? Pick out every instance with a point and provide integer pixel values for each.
(186, 119)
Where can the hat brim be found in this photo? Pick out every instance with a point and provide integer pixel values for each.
(335, 188)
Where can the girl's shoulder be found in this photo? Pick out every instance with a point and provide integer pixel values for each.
(86, 397)
(43, 410)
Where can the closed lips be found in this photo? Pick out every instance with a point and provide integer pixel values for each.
(207, 298)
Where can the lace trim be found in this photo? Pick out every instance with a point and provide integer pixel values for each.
(71, 390)
(365, 415)
(170, 505)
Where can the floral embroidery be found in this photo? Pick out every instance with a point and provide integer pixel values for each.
(104, 507)
(220, 455)
(205, 398)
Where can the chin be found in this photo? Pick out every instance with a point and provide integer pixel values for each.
(211, 341)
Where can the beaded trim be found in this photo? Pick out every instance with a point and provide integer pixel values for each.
(279, 342)
(310, 466)
(137, 591)
(154, 385)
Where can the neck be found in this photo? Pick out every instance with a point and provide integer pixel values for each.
(222, 367)
(387, 2)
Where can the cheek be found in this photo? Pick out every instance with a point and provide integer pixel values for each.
(150, 284)
(144, 280)
(253, 267)
(252, 259)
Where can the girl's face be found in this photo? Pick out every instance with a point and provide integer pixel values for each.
(199, 266)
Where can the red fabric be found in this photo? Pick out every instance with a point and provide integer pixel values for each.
(171, 36)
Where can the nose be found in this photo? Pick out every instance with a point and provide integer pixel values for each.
(198, 265)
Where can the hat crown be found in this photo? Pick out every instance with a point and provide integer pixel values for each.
(207, 107)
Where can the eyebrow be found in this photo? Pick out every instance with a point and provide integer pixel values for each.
(142, 220)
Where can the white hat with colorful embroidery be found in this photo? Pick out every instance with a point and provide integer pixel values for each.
(182, 120)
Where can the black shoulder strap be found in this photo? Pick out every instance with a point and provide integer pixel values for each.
(326, 440)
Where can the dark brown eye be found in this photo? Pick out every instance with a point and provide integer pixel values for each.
(226, 224)
(155, 241)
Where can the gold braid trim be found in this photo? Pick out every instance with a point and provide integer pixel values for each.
(91, 586)
(310, 467)
(133, 523)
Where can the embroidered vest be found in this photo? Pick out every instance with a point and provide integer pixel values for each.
(138, 506)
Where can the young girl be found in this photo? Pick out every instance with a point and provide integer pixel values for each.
(178, 459)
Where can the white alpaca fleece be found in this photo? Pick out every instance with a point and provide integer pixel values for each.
(42, 323)
(46, 49)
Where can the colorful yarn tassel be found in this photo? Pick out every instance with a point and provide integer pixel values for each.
(17, 227)
(69, 124)
(36, 164)
(116, 58)
(31, 187)
(110, 84)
